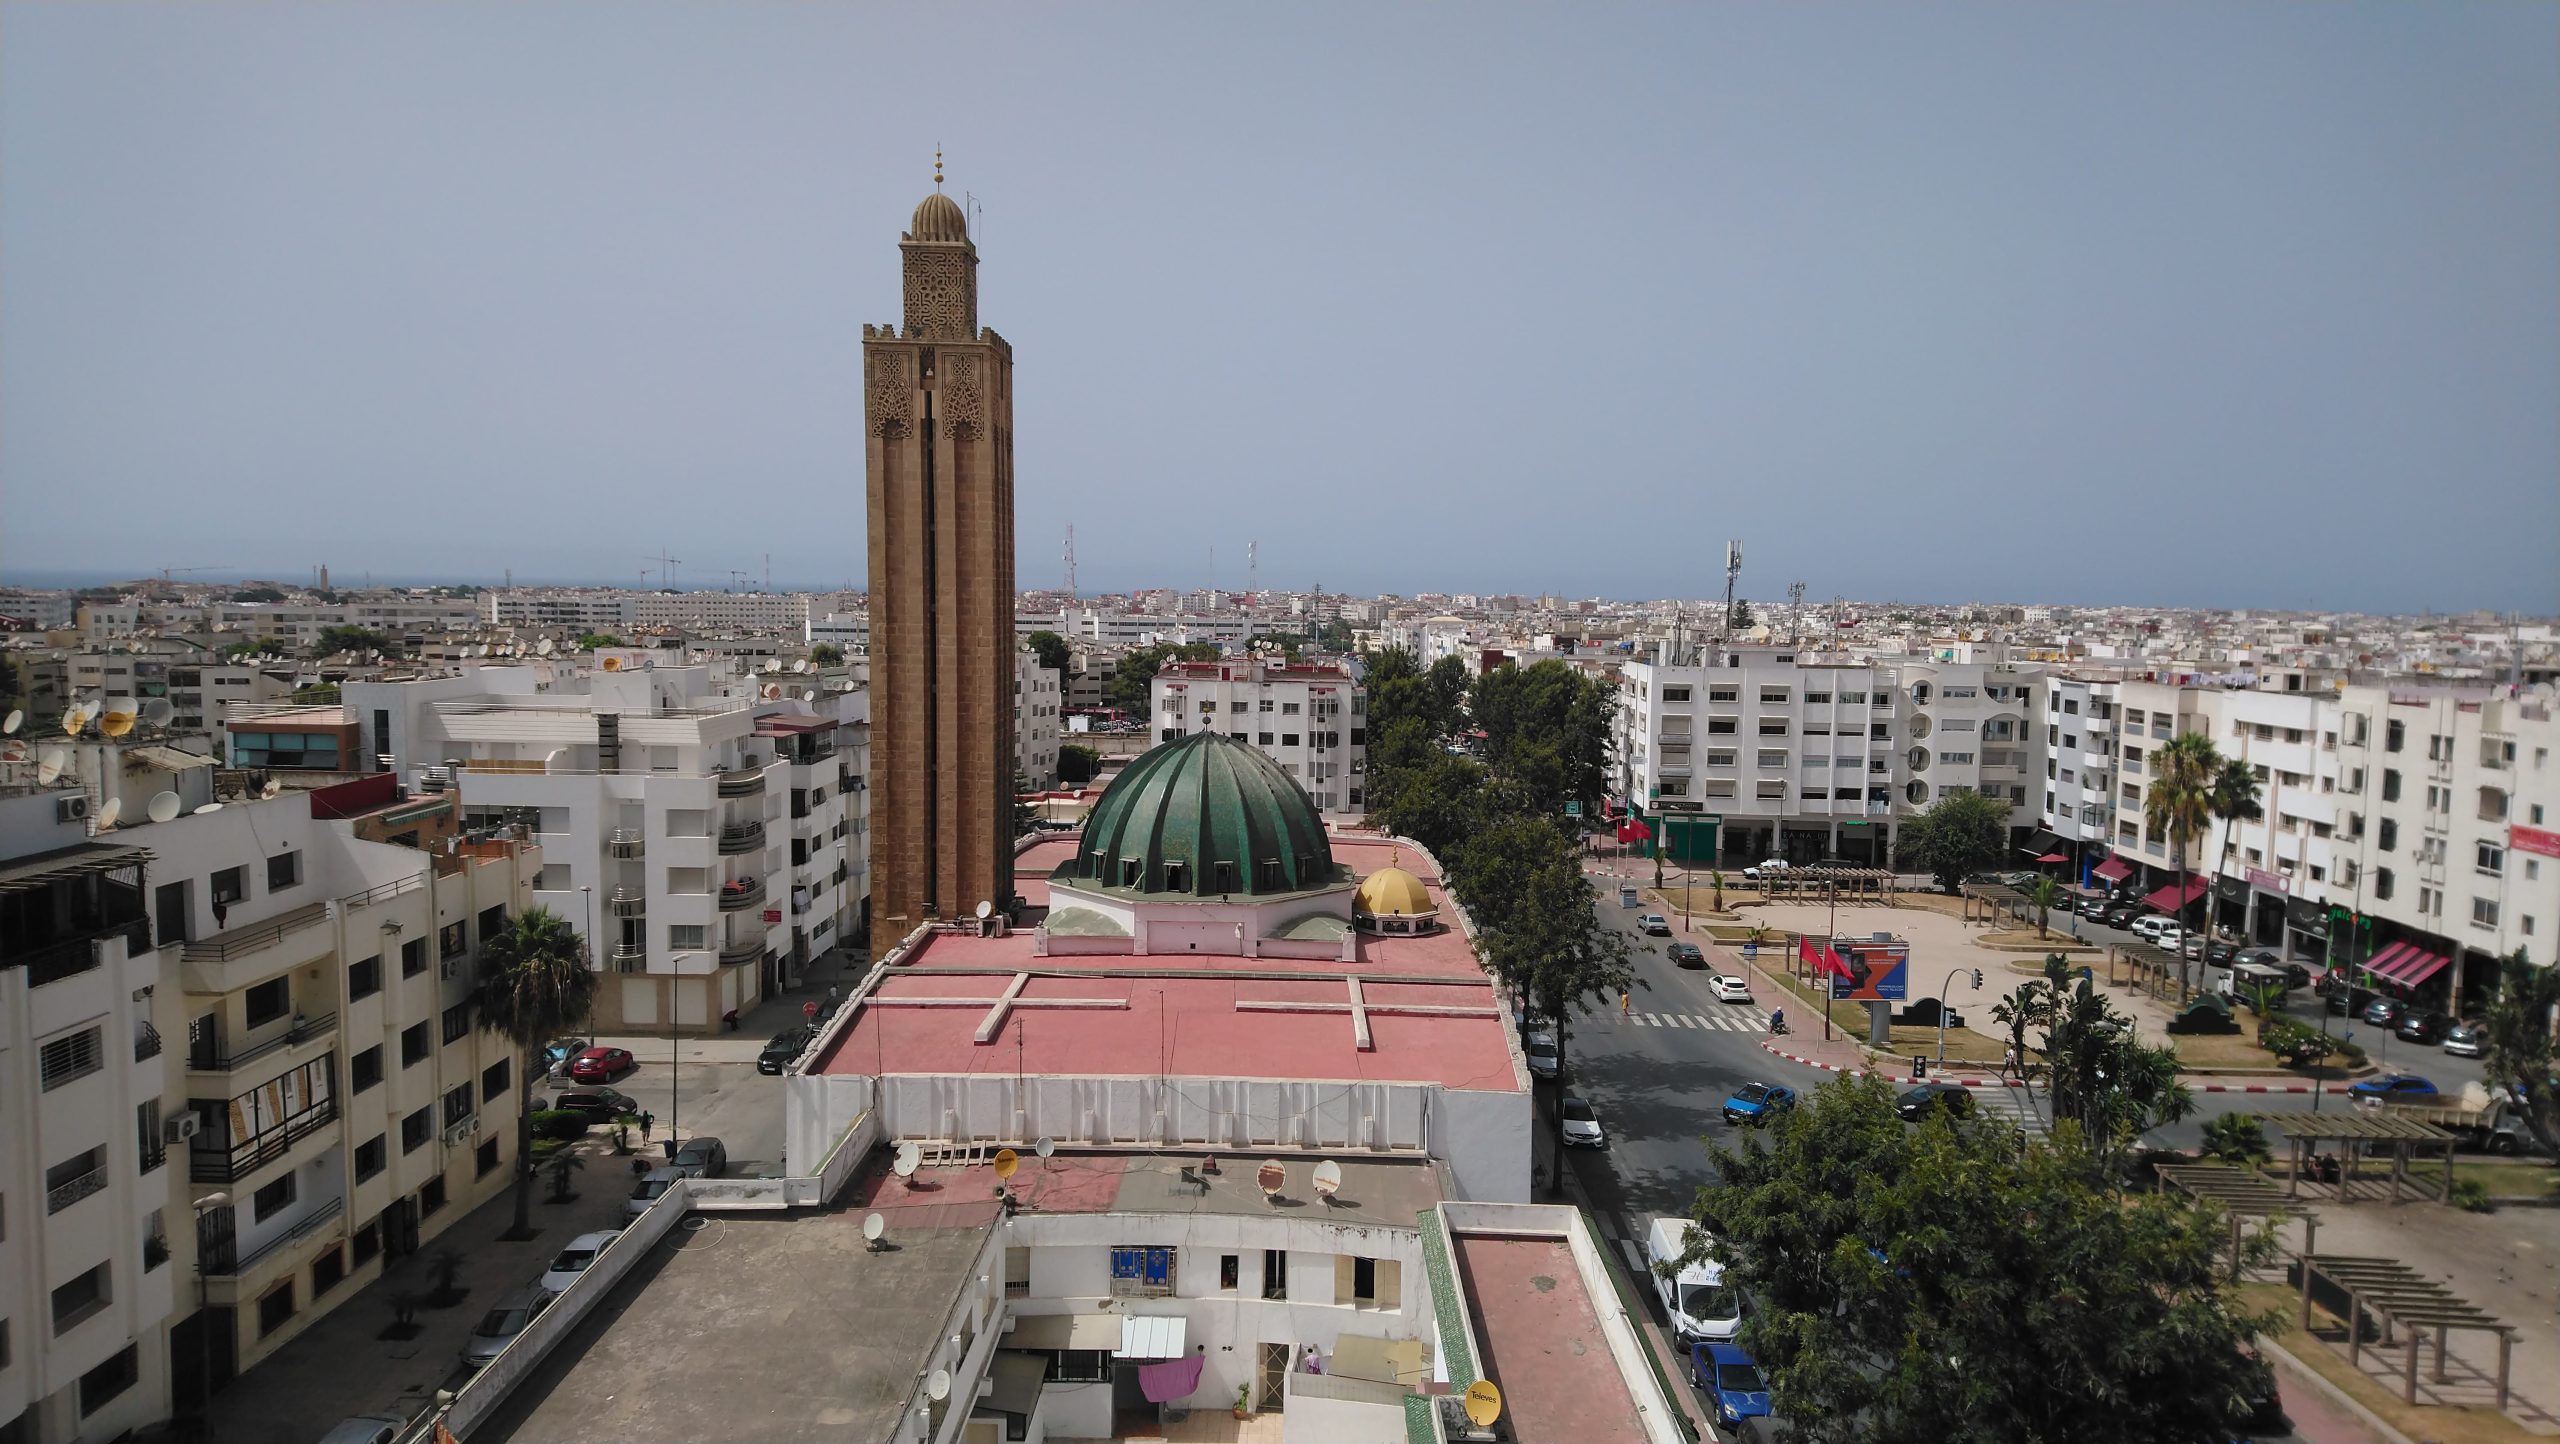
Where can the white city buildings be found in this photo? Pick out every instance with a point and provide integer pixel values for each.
(1312, 719)
(1039, 707)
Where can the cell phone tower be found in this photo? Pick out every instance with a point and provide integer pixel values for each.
(1069, 554)
(1732, 574)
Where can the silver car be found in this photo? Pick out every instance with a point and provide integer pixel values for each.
(652, 1186)
(2466, 1040)
(498, 1328)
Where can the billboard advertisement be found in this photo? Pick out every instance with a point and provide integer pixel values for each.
(1877, 970)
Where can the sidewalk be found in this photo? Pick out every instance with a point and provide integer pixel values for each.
(835, 970)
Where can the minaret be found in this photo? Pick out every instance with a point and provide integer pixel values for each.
(938, 444)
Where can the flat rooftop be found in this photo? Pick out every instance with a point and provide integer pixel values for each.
(1373, 1191)
(1541, 1341)
(1431, 1012)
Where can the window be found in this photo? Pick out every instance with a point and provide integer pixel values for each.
(371, 1156)
(364, 1069)
(1142, 1272)
(119, 1373)
(1675, 694)
(1773, 696)
(1288, 739)
(2394, 735)
(284, 870)
(453, 940)
(1288, 709)
(457, 1021)
(484, 1159)
(2382, 883)
(457, 1104)
(230, 885)
(328, 1271)
(269, 1001)
(414, 1046)
(267, 1202)
(78, 1299)
(494, 1080)
(2490, 858)
(2386, 835)
(2391, 781)
(1079, 1366)
(70, 1057)
(1817, 699)
(416, 1129)
(2484, 912)
(1275, 1273)
(368, 1244)
(681, 936)
(1367, 1283)
(364, 978)
(493, 921)
(275, 1308)
(413, 957)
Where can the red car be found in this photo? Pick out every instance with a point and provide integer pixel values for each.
(601, 1065)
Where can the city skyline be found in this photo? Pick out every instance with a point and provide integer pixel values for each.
(2252, 314)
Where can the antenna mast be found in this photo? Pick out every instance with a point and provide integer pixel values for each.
(1252, 573)
(1732, 573)
(1070, 555)
(1795, 611)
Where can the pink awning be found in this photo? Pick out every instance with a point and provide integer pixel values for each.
(2382, 964)
(2115, 869)
(2168, 899)
(2429, 964)
(2053, 857)
(2406, 965)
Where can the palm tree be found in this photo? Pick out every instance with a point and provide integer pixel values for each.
(535, 983)
(2179, 803)
(2234, 800)
(2043, 897)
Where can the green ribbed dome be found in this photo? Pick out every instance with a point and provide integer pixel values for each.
(1207, 817)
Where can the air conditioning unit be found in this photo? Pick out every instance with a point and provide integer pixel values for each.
(71, 809)
(180, 1128)
(451, 968)
(465, 1131)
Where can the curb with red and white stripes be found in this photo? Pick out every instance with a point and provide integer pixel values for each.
(1868, 1068)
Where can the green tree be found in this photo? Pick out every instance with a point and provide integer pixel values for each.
(1077, 764)
(826, 654)
(1051, 649)
(1946, 1283)
(1397, 693)
(1959, 835)
(2179, 804)
(2233, 799)
(2098, 1074)
(1439, 802)
(2519, 1044)
(1137, 668)
(1547, 730)
(535, 983)
(590, 641)
(343, 638)
(1445, 694)
(2044, 896)
(1740, 619)
(257, 594)
(2237, 1138)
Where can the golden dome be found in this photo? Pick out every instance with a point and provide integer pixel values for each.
(938, 218)
(1392, 892)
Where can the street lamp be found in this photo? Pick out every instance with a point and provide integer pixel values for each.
(1943, 989)
(592, 955)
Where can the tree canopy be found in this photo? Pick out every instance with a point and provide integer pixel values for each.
(2519, 1052)
(1137, 669)
(589, 641)
(535, 983)
(343, 637)
(1958, 835)
(1946, 1282)
(1051, 649)
(1546, 728)
(2096, 1071)
(1077, 763)
(826, 654)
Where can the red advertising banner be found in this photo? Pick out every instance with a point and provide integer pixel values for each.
(2534, 839)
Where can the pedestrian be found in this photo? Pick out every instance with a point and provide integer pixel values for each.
(2008, 1060)
(1626, 1004)
(647, 1120)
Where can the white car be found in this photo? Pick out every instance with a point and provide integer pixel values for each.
(1729, 989)
(1582, 1125)
(2148, 926)
(572, 1261)
(1771, 868)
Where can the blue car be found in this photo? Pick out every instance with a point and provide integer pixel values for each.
(2394, 1088)
(1729, 1378)
(1758, 1103)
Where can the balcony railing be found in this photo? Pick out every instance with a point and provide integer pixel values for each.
(626, 843)
(207, 1056)
(742, 784)
(218, 1165)
(226, 1260)
(740, 837)
(241, 941)
(630, 957)
(63, 1195)
(742, 894)
(146, 1042)
(746, 952)
(626, 903)
(57, 961)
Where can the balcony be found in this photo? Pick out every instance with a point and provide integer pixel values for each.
(630, 957)
(146, 1042)
(626, 902)
(224, 1260)
(744, 893)
(626, 843)
(744, 952)
(237, 957)
(70, 1191)
(738, 837)
(216, 1164)
(742, 783)
(208, 1055)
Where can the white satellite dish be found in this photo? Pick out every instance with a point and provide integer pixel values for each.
(872, 1227)
(74, 717)
(50, 765)
(158, 711)
(939, 1386)
(1328, 1179)
(16, 718)
(546, 646)
(809, 694)
(164, 805)
(108, 814)
(801, 665)
(909, 1156)
(274, 786)
(208, 807)
(1045, 1145)
(771, 691)
(773, 664)
(984, 909)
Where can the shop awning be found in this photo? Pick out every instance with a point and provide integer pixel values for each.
(2173, 898)
(1152, 1336)
(1016, 1376)
(1065, 1331)
(2114, 869)
(2406, 965)
(2053, 857)
(2044, 841)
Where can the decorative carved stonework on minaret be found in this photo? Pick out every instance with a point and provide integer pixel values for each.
(938, 438)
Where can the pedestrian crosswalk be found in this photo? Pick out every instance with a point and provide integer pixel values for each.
(1729, 1020)
(2017, 1107)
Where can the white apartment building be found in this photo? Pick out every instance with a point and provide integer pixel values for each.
(1312, 719)
(721, 611)
(2079, 768)
(849, 633)
(1967, 719)
(202, 689)
(1143, 629)
(211, 1030)
(1039, 709)
(573, 612)
(667, 810)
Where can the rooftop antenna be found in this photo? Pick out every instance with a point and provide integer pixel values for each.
(1252, 571)
(1795, 611)
(1070, 555)
(1732, 574)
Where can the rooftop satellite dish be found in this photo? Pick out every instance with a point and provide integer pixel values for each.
(1484, 1403)
(274, 786)
(984, 909)
(545, 647)
(1270, 1176)
(16, 719)
(50, 765)
(164, 805)
(1045, 1146)
(1007, 1163)
(773, 664)
(208, 807)
(115, 724)
(809, 694)
(1328, 1179)
(74, 717)
(611, 664)
(108, 814)
(159, 711)
(872, 1227)
(909, 1155)
(802, 665)
(939, 1386)
(771, 690)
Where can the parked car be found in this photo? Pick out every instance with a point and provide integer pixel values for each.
(2423, 1025)
(1694, 1294)
(2122, 915)
(1771, 868)
(2466, 1040)
(366, 1429)
(1758, 1103)
(601, 1105)
(2394, 1088)
(1582, 1125)
(498, 1328)
(1688, 955)
(1654, 925)
(2147, 926)
(2193, 947)
(1916, 1103)
(2221, 954)
(559, 1051)
(1545, 1059)
(652, 1186)
(2384, 1012)
(781, 1049)
(2346, 1000)
(601, 1065)
(702, 1156)
(1729, 989)
(1731, 1380)
(572, 1261)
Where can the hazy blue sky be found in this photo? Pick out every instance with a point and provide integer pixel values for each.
(2211, 304)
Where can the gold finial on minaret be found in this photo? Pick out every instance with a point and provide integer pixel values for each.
(937, 167)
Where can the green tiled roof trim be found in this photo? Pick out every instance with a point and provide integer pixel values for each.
(1455, 1348)
(1417, 1420)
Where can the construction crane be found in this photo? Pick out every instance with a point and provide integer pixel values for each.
(666, 565)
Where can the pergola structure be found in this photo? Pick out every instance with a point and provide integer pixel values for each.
(2403, 1299)
(2242, 1193)
(2357, 1130)
(1843, 884)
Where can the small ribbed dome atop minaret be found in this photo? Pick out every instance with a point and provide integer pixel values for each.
(938, 218)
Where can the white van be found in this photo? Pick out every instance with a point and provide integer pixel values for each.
(1701, 1304)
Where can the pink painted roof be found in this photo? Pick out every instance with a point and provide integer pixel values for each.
(1542, 1341)
(1192, 1026)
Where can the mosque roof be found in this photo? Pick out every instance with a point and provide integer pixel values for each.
(1207, 816)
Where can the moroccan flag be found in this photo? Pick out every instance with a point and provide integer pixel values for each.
(1835, 965)
(1804, 954)
(1638, 832)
